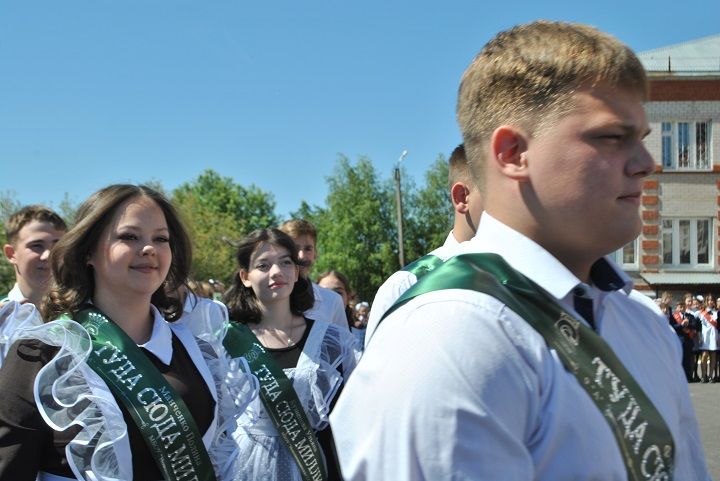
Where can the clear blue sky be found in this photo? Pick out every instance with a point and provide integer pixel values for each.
(94, 92)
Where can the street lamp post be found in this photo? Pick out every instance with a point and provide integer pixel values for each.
(398, 202)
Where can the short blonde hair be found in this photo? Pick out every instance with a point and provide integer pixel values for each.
(525, 76)
(296, 228)
(27, 214)
(458, 168)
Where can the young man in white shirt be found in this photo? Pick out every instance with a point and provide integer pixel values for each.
(456, 384)
(328, 304)
(31, 232)
(467, 207)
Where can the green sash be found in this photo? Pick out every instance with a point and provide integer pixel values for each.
(158, 411)
(423, 265)
(644, 439)
(280, 401)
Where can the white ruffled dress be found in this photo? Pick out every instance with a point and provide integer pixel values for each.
(709, 334)
(263, 455)
(68, 391)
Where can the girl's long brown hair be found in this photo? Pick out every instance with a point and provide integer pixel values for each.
(73, 280)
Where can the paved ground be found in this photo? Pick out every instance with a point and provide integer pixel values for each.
(706, 398)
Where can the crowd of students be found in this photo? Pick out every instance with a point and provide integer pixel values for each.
(116, 288)
(694, 319)
(515, 351)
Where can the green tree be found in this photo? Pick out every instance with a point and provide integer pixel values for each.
(8, 205)
(431, 210)
(355, 228)
(212, 234)
(67, 208)
(307, 212)
(218, 212)
(157, 185)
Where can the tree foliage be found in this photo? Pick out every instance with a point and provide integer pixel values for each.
(432, 211)
(67, 209)
(355, 228)
(8, 205)
(218, 212)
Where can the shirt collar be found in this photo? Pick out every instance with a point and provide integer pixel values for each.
(451, 241)
(316, 293)
(160, 342)
(191, 301)
(533, 261)
(16, 294)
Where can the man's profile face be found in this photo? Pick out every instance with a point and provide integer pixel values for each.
(306, 251)
(586, 172)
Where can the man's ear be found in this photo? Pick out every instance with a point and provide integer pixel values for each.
(509, 146)
(459, 193)
(243, 274)
(9, 252)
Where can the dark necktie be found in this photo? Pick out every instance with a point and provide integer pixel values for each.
(584, 306)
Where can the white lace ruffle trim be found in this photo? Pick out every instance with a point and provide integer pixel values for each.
(14, 317)
(316, 378)
(236, 389)
(68, 392)
(328, 352)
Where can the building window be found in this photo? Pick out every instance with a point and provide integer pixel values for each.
(627, 257)
(686, 145)
(686, 242)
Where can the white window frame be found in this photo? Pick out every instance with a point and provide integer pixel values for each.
(670, 133)
(619, 256)
(673, 230)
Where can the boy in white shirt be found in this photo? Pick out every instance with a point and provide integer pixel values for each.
(31, 232)
(328, 304)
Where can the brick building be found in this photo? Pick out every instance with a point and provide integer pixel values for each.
(679, 247)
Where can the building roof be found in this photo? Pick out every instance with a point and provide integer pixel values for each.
(694, 57)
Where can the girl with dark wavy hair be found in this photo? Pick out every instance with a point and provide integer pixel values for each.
(267, 299)
(113, 388)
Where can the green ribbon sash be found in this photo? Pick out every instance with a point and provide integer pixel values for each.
(645, 441)
(423, 265)
(159, 412)
(280, 401)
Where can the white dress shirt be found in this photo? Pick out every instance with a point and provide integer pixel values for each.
(328, 307)
(457, 386)
(396, 285)
(15, 294)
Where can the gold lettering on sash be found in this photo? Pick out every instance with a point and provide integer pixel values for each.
(182, 464)
(652, 457)
(269, 384)
(153, 395)
(288, 421)
(121, 372)
(630, 414)
(306, 454)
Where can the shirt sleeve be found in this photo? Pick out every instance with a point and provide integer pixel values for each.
(435, 410)
(24, 436)
(389, 292)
